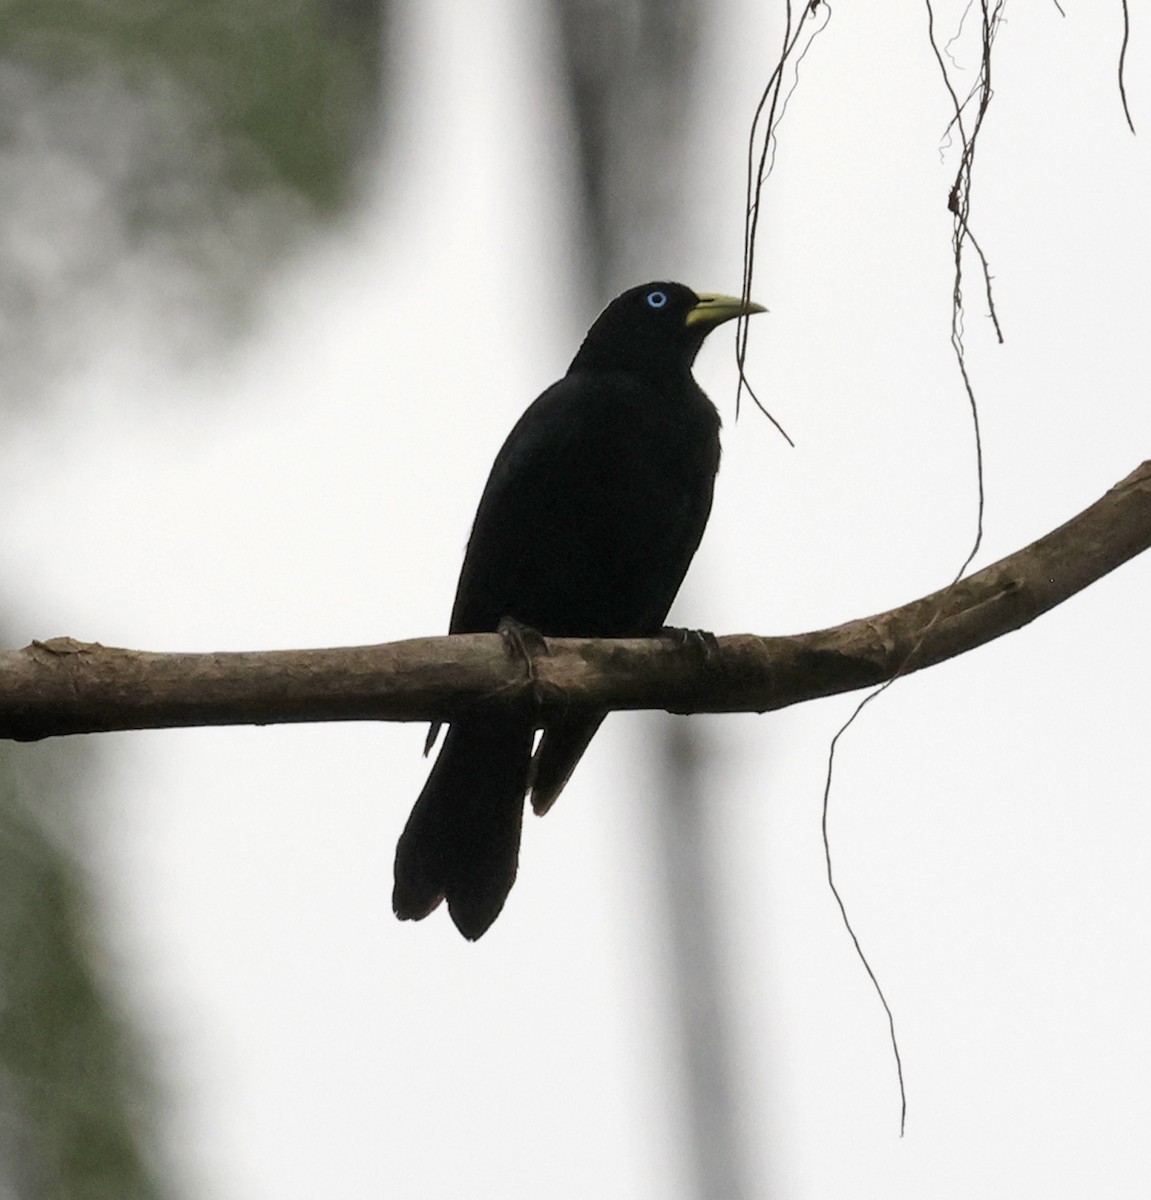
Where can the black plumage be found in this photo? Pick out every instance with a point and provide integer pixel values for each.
(592, 512)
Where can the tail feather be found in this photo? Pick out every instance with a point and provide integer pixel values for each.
(462, 840)
(560, 750)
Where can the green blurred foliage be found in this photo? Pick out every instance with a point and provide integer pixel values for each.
(295, 78)
(157, 160)
(156, 153)
(75, 1111)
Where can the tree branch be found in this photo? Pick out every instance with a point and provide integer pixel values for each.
(63, 686)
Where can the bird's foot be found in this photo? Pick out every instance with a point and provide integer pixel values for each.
(700, 639)
(524, 640)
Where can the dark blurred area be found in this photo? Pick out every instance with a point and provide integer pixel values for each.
(629, 71)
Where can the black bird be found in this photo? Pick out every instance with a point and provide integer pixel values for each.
(593, 510)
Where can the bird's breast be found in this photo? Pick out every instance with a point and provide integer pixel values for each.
(593, 510)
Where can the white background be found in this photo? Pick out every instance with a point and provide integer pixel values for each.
(314, 485)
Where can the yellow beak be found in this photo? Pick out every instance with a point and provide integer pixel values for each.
(714, 309)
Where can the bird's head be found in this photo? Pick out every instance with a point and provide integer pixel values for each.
(657, 326)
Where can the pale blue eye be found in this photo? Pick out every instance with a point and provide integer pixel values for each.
(657, 299)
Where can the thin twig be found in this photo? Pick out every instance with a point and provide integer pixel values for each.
(1122, 66)
(959, 203)
(759, 168)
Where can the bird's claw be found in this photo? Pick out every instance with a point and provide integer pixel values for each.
(703, 641)
(524, 640)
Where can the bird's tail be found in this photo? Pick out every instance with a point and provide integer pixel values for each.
(462, 840)
(559, 752)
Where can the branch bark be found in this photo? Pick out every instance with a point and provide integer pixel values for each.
(64, 686)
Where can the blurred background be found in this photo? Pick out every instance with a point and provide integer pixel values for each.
(275, 281)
